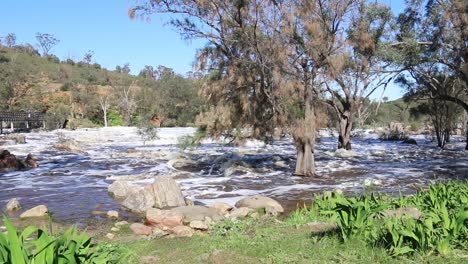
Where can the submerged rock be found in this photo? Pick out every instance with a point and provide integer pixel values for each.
(38, 211)
(261, 202)
(343, 153)
(69, 146)
(9, 162)
(410, 141)
(13, 205)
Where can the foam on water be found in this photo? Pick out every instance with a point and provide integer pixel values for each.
(73, 184)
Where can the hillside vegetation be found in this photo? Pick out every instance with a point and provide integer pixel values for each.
(83, 93)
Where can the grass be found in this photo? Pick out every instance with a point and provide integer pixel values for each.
(267, 241)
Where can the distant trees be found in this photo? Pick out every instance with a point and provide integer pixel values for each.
(46, 42)
(9, 40)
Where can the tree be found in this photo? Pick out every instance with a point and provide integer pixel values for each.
(358, 70)
(265, 60)
(46, 42)
(431, 41)
(88, 57)
(10, 40)
(147, 72)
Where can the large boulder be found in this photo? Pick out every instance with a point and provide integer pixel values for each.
(69, 145)
(223, 208)
(163, 219)
(410, 141)
(198, 213)
(138, 200)
(166, 192)
(38, 211)
(118, 189)
(182, 231)
(261, 202)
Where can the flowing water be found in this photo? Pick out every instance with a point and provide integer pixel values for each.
(73, 185)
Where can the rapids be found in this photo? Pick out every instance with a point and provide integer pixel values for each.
(73, 185)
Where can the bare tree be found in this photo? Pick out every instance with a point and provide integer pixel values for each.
(10, 40)
(46, 42)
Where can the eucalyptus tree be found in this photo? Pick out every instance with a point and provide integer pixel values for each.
(46, 42)
(432, 42)
(358, 69)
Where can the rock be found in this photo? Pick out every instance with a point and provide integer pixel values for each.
(141, 229)
(38, 211)
(113, 214)
(410, 141)
(149, 259)
(118, 189)
(9, 162)
(321, 227)
(240, 212)
(261, 202)
(115, 229)
(412, 212)
(166, 192)
(13, 205)
(343, 153)
(198, 212)
(159, 233)
(255, 215)
(110, 236)
(19, 139)
(180, 163)
(182, 231)
(163, 219)
(69, 146)
(224, 208)
(200, 225)
(121, 223)
(97, 212)
(188, 201)
(138, 200)
(236, 171)
(281, 164)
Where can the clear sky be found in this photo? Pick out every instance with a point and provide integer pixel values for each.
(103, 27)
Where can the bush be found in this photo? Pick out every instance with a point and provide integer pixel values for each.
(392, 136)
(114, 118)
(76, 123)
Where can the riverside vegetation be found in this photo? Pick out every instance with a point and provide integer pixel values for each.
(369, 227)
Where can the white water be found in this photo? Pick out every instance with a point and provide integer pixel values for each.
(72, 184)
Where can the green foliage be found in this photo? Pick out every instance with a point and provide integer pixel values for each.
(185, 142)
(114, 118)
(147, 132)
(443, 226)
(70, 247)
(392, 136)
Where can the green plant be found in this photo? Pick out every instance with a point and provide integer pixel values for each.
(70, 247)
(147, 133)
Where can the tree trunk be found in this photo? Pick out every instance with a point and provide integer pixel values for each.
(304, 138)
(346, 125)
(105, 117)
(466, 147)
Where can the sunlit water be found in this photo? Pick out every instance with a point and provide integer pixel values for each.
(73, 185)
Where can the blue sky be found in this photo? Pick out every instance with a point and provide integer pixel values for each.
(103, 27)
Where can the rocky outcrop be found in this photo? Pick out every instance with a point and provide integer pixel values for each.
(164, 192)
(38, 211)
(261, 202)
(182, 231)
(9, 162)
(223, 208)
